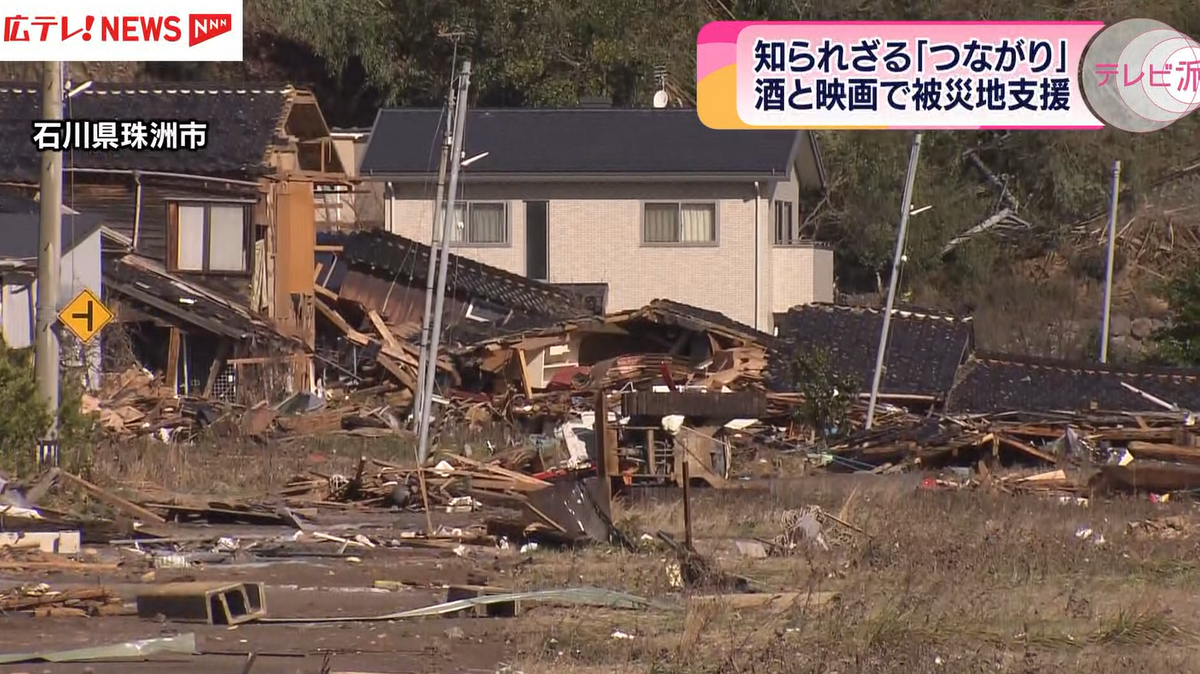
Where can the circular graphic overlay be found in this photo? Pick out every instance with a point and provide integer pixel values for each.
(1141, 75)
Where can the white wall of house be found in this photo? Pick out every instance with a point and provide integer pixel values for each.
(597, 234)
(80, 269)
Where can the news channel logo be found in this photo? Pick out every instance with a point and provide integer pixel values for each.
(1141, 75)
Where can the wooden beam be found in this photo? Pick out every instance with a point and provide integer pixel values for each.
(173, 359)
(266, 360)
(524, 364)
(396, 352)
(384, 331)
(403, 376)
(329, 249)
(215, 369)
(603, 450)
(334, 317)
(131, 509)
(326, 293)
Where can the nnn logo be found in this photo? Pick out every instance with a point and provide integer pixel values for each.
(204, 27)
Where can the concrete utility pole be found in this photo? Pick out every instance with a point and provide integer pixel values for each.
(49, 249)
(456, 150)
(901, 234)
(438, 211)
(1108, 267)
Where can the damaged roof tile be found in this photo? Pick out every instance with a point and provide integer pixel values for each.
(531, 304)
(924, 348)
(697, 318)
(1005, 382)
(144, 284)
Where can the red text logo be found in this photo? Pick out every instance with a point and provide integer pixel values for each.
(204, 27)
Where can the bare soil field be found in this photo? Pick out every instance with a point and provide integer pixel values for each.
(954, 581)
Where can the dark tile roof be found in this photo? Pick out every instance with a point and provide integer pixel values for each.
(242, 125)
(19, 233)
(578, 141)
(1006, 383)
(697, 318)
(147, 286)
(532, 304)
(924, 348)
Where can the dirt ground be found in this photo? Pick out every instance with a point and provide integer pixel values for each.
(953, 582)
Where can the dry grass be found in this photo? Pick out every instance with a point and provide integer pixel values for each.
(955, 582)
(229, 469)
(941, 582)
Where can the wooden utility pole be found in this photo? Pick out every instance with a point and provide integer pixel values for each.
(49, 249)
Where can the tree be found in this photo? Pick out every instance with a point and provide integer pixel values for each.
(827, 395)
(24, 417)
(524, 52)
(1179, 342)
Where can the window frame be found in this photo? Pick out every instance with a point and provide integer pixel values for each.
(679, 204)
(173, 222)
(467, 204)
(793, 237)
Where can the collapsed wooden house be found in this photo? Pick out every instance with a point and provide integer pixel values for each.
(234, 221)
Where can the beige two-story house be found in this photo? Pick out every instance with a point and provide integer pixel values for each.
(649, 202)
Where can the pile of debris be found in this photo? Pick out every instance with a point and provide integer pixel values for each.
(455, 482)
(1156, 452)
(545, 375)
(40, 600)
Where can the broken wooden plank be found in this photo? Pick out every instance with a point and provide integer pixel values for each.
(1164, 452)
(1027, 449)
(173, 341)
(524, 365)
(127, 507)
(333, 316)
(217, 365)
(384, 331)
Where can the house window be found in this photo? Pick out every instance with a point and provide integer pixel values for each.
(480, 224)
(785, 226)
(675, 222)
(210, 237)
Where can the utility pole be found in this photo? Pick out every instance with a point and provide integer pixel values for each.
(439, 298)
(1108, 266)
(423, 360)
(49, 249)
(905, 210)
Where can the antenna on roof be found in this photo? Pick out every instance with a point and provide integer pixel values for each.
(661, 97)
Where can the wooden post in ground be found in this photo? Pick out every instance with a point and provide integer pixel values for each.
(687, 493)
(603, 450)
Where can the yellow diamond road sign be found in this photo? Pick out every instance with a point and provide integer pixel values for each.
(85, 315)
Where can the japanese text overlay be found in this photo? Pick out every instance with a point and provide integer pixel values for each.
(92, 135)
(898, 75)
